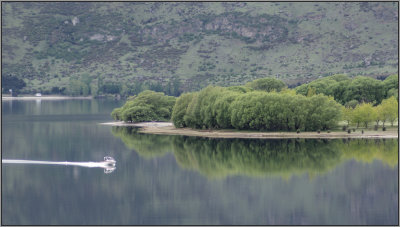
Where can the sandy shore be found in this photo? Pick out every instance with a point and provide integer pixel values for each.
(49, 97)
(167, 128)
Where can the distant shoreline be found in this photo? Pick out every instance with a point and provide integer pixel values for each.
(44, 97)
(167, 128)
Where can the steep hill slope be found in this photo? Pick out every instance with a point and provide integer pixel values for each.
(175, 47)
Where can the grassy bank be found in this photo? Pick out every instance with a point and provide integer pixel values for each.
(165, 128)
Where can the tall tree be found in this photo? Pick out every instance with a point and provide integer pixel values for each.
(364, 113)
(377, 114)
(347, 114)
(267, 84)
(389, 110)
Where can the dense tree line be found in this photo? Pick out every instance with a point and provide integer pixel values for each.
(365, 113)
(268, 105)
(147, 106)
(218, 107)
(352, 91)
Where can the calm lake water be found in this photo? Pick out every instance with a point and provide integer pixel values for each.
(177, 180)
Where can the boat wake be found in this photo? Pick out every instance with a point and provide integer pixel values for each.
(108, 164)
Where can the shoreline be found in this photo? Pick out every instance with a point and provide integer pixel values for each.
(49, 97)
(167, 128)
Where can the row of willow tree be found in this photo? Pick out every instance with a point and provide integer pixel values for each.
(350, 92)
(365, 113)
(220, 108)
(264, 104)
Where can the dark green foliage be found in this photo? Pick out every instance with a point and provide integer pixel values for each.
(391, 86)
(390, 82)
(11, 82)
(111, 88)
(383, 128)
(57, 90)
(350, 92)
(147, 106)
(352, 103)
(267, 84)
(349, 131)
(364, 89)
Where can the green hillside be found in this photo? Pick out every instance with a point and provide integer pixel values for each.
(81, 48)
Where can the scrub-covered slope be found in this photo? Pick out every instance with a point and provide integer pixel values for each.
(83, 48)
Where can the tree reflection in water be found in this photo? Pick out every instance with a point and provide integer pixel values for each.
(216, 158)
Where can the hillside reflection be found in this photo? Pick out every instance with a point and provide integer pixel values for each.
(217, 158)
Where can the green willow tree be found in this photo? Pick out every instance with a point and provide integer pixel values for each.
(389, 110)
(218, 107)
(146, 106)
(180, 108)
(366, 113)
(347, 91)
(347, 114)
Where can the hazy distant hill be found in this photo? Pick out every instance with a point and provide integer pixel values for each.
(189, 45)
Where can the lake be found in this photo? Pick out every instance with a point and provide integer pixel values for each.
(178, 180)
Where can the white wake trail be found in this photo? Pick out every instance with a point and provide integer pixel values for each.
(108, 164)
